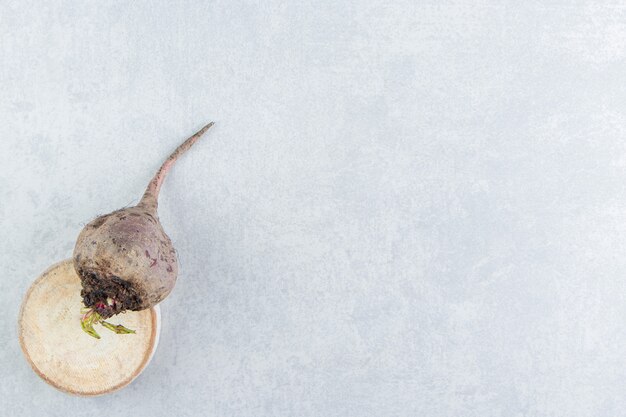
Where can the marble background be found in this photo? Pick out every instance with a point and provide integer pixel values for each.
(405, 208)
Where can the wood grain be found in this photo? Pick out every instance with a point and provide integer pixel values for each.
(67, 358)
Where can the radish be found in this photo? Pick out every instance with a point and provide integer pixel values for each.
(124, 259)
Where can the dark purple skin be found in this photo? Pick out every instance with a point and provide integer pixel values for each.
(124, 259)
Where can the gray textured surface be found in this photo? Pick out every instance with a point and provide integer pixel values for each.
(405, 208)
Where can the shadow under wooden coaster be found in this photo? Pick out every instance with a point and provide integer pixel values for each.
(66, 357)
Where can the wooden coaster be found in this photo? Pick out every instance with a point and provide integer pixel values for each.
(66, 357)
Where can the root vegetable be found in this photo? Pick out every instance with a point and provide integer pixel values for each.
(125, 259)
